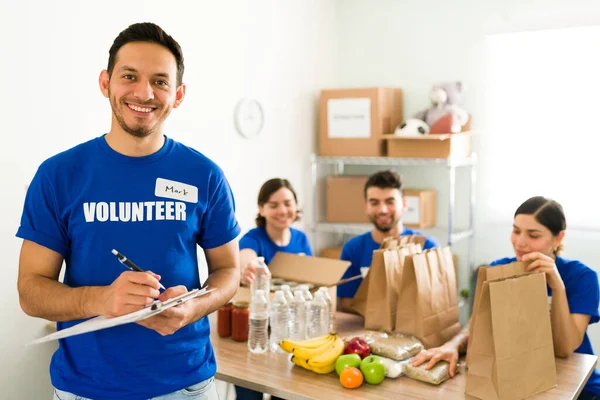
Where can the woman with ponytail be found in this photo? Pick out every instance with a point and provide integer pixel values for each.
(537, 237)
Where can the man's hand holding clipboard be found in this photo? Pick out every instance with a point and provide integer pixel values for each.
(149, 312)
(172, 319)
(131, 298)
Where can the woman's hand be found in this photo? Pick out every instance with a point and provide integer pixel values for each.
(248, 273)
(446, 352)
(542, 263)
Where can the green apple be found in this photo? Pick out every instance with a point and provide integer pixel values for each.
(373, 370)
(346, 360)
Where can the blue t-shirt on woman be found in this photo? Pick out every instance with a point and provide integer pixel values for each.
(258, 240)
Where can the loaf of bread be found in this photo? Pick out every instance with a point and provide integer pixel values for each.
(396, 346)
(436, 375)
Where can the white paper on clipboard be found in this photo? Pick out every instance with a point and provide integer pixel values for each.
(100, 322)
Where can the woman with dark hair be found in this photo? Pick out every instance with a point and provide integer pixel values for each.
(277, 211)
(573, 290)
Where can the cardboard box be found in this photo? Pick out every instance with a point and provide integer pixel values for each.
(353, 121)
(420, 208)
(452, 145)
(346, 203)
(346, 199)
(331, 252)
(319, 271)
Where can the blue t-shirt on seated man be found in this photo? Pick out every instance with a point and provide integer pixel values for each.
(384, 202)
(538, 230)
(277, 211)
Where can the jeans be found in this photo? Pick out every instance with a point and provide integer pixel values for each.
(205, 390)
(242, 393)
(588, 396)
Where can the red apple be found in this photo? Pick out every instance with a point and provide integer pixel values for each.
(359, 346)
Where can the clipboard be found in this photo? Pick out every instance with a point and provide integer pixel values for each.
(100, 322)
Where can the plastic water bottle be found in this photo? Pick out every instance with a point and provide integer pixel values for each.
(305, 292)
(280, 321)
(289, 297)
(258, 335)
(298, 317)
(317, 317)
(262, 277)
(329, 302)
(287, 293)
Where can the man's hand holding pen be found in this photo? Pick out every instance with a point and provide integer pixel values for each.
(130, 292)
(133, 291)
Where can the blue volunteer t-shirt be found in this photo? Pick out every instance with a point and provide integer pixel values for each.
(155, 210)
(258, 240)
(359, 251)
(583, 296)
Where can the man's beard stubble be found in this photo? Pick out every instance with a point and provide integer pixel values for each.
(140, 132)
(384, 228)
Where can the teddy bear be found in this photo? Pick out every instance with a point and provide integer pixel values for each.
(446, 114)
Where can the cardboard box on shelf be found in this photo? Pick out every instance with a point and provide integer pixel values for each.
(451, 145)
(318, 271)
(420, 208)
(346, 203)
(353, 121)
(345, 199)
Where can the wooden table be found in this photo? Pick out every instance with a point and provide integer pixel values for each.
(275, 374)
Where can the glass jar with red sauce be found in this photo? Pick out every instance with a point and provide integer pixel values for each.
(224, 320)
(240, 321)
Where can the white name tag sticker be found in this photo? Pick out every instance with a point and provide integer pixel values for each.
(176, 190)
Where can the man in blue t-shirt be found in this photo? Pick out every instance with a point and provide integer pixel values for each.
(154, 200)
(384, 203)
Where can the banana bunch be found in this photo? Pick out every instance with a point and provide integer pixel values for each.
(317, 354)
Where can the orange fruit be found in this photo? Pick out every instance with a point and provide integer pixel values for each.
(351, 378)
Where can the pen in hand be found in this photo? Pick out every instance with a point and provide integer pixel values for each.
(130, 264)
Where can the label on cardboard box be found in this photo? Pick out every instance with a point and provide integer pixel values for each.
(412, 214)
(349, 118)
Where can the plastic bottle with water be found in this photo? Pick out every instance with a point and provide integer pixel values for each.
(258, 335)
(289, 297)
(305, 292)
(317, 317)
(329, 301)
(280, 321)
(262, 277)
(298, 317)
(287, 293)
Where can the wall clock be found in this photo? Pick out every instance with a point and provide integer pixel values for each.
(249, 118)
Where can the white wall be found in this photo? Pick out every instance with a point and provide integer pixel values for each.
(280, 52)
(415, 43)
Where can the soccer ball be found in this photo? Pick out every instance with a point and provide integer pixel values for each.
(412, 127)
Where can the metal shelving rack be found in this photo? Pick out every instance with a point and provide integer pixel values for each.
(450, 164)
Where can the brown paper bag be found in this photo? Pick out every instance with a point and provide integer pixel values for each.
(376, 297)
(380, 290)
(428, 301)
(512, 355)
(487, 274)
(400, 241)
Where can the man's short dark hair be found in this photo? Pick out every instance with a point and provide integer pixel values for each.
(146, 32)
(384, 180)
